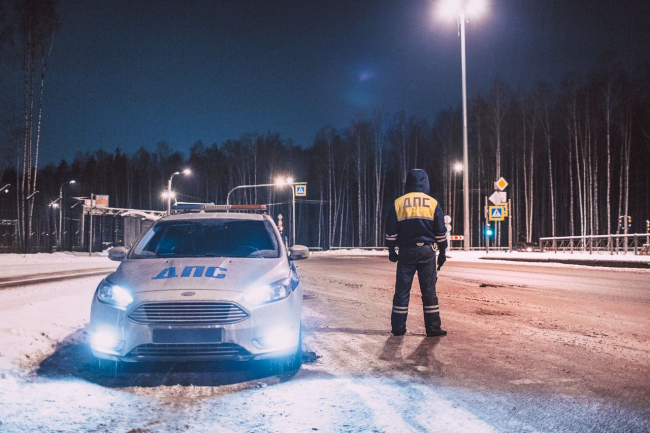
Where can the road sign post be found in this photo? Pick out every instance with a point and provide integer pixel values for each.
(510, 225)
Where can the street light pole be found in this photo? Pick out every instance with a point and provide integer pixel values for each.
(169, 192)
(462, 10)
(186, 172)
(465, 157)
(247, 186)
(61, 208)
(279, 182)
(293, 215)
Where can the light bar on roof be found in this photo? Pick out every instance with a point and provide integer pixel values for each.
(209, 207)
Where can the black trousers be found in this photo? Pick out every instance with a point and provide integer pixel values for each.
(423, 260)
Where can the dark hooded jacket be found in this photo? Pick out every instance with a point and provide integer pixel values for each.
(416, 216)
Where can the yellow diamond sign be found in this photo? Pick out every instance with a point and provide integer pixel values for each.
(501, 184)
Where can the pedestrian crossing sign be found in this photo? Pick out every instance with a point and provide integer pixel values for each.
(496, 213)
(301, 190)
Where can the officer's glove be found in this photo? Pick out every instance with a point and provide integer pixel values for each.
(392, 255)
(442, 258)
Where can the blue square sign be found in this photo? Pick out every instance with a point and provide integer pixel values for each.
(496, 213)
(301, 190)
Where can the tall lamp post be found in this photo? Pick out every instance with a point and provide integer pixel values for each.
(61, 208)
(462, 10)
(186, 172)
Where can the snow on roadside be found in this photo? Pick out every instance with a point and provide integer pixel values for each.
(470, 256)
(351, 252)
(66, 257)
(34, 319)
(475, 256)
(41, 263)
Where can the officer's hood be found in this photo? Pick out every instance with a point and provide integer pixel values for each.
(417, 181)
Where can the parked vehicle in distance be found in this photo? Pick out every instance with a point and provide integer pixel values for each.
(526, 247)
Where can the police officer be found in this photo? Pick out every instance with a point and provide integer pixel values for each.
(415, 223)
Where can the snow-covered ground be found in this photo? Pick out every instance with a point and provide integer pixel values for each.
(33, 319)
(42, 263)
(522, 355)
(472, 256)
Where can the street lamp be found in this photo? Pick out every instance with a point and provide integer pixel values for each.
(462, 10)
(186, 172)
(5, 188)
(279, 182)
(60, 240)
(458, 167)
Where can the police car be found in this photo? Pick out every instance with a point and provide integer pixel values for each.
(210, 283)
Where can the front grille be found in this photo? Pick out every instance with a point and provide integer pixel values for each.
(188, 350)
(188, 313)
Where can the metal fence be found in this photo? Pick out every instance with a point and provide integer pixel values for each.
(598, 244)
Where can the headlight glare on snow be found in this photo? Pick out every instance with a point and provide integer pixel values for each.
(265, 294)
(114, 295)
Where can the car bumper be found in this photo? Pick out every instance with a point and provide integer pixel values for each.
(269, 331)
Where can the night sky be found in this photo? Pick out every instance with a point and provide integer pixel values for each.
(131, 73)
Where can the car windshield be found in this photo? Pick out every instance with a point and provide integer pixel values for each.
(208, 238)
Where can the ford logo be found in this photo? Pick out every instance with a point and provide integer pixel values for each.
(188, 294)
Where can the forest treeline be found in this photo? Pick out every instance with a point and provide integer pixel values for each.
(576, 158)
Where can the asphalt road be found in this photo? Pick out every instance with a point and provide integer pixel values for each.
(530, 348)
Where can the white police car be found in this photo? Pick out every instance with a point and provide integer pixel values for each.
(202, 286)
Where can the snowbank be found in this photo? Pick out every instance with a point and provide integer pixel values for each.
(351, 252)
(538, 259)
(31, 264)
(34, 319)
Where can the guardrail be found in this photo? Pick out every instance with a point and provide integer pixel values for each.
(597, 244)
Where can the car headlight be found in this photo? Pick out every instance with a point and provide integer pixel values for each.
(265, 294)
(113, 295)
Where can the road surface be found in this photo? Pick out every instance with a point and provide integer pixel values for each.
(530, 348)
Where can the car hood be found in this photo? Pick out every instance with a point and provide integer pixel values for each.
(229, 274)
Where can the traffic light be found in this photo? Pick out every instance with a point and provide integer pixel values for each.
(488, 231)
(647, 224)
(629, 220)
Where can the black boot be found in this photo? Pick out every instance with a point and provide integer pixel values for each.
(432, 321)
(398, 320)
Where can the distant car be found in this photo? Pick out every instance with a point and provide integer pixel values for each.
(526, 247)
(202, 286)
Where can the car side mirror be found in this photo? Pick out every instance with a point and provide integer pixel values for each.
(298, 252)
(117, 254)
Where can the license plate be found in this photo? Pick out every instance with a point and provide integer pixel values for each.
(180, 336)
